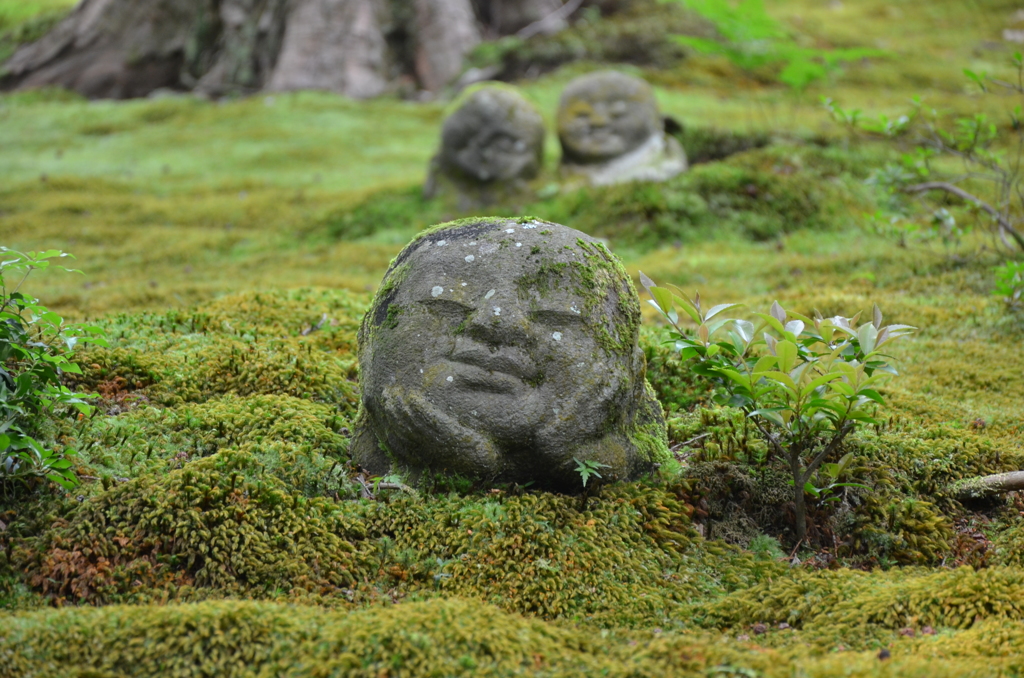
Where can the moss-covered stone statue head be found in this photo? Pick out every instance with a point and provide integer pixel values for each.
(604, 115)
(494, 135)
(611, 132)
(503, 349)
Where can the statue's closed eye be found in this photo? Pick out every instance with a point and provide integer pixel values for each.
(557, 317)
(451, 312)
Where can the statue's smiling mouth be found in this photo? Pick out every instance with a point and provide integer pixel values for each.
(499, 371)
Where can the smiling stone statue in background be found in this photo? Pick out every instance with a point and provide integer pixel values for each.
(491, 146)
(610, 130)
(502, 349)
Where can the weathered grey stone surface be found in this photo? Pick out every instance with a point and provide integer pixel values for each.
(491, 146)
(501, 349)
(611, 131)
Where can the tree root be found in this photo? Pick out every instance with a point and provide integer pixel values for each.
(987, 486)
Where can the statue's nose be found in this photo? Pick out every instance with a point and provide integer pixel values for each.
(599, 117)
(498, 321)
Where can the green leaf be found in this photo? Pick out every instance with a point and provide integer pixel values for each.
(771, 415)
(872, 394)
(688, 307)
(715, 310)
(785, 380)
(867, 334)
(64, 481)
(786, 351)
(857, 415)
(860, 485)
(735, 376)
(819, 381)
(663, 298)
(812, 490)
(773, 322)
(765, 364)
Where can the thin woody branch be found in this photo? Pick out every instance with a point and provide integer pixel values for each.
(1004, 225)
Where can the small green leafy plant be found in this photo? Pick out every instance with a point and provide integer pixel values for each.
(826, 482)
(806, 383)
(753, 39)
(1010, 283)
(587, 468)
(990, 179)
(36, 347)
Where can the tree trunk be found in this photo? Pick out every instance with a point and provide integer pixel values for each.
(446, 30)
(335, 45)
(506, 17)
(128, 48)
(250, 40)
(118, 48)
(799, 508)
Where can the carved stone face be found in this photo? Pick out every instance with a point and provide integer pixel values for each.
(502, 349)
(605, 115)
(494, 136)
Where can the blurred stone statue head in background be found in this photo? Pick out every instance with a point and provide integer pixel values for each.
(610, 131)
(503, 349)
(493, 143)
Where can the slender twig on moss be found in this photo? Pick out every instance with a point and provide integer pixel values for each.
(679, 446)
(770, 438)
(1004, 225)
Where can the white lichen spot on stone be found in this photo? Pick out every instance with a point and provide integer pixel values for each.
(436, 291)
(530, 226)
(557, 336)
(497, 310)
(450, 379)
(574, 309)
(464, 284)
(489, 294)
(442, 243)
(421, 370)
(510, 230)
(519, 244)
(472, 243)
(469, 259)
(473, 413)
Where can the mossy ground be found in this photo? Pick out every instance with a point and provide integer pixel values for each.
(230, 250)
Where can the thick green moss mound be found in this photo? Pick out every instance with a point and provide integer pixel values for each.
(220, 523)
(541, 554)
(300, 442)
(756, 194)
(760, 195)
(445, 637)
(858, 607)
(299, 343)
